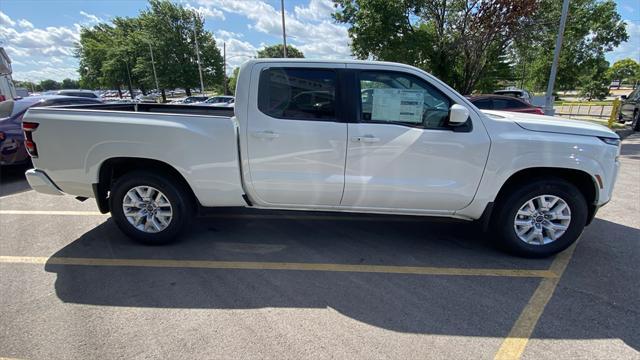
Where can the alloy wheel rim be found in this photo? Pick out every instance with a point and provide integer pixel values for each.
(147, 209)
(542, 220)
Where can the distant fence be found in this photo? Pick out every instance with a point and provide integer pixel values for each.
(599, 111)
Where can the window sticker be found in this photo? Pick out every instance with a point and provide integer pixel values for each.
(398, 105)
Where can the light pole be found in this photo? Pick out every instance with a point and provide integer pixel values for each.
(129, 77)
(548, 99)
(153, 65)
(195, 36)
(284, 33)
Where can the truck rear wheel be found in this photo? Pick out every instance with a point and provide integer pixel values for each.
(149, 207)
(540, 218)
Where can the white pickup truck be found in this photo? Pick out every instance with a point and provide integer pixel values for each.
(352, 136)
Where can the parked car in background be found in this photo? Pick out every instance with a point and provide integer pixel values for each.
(220, 100)
(12, 149)
(74, 92)
(516, 93)
(194, 99)
(504, 103)
(22, 92)
(630, 109)
(150, 97)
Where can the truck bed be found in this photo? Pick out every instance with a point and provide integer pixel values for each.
(200, 142)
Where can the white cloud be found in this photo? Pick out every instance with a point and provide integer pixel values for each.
(46, 72)
(629, 49)
(309, 28)
(40, 53)
(23, 23)
(238, 51)
(317, 10)
(91, 18)
(207, 12)
(227, 34)
(6, 20)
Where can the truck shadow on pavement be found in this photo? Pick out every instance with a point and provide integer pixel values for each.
(595, 298)
(12, 180)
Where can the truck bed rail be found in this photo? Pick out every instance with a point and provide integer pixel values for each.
(159, 108)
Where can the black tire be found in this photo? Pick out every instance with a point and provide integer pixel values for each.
(635, 125)
(516, 197)
(179, 198)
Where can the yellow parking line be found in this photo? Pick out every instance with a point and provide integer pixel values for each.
(513, 346)
(250, 265)
(223, 216)
(46, 212)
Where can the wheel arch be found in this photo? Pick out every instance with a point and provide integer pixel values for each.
(113, 168)
(583, 181)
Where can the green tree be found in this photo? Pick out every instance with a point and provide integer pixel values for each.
(277, 51)
(49, 84)
(120, 54)
(625, 70)
(170, 30)
(29, 85)
(233, 80)
(70, 84)
(594, 82)
(593, 28)
(458, 40)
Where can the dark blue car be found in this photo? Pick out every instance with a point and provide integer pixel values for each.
(12, 150)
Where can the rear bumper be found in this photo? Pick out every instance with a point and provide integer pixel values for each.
(40, 182)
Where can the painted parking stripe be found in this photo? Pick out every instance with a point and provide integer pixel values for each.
(227, 216)
(250, 265)
(56, 212)
(515, 343)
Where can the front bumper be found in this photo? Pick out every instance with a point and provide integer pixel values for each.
(40, 182)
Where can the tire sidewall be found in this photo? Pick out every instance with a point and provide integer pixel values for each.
(512, 203)
(179, 206)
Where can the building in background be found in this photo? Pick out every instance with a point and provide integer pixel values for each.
(7, 90)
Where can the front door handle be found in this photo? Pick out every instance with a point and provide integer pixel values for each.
(266, 134)
(365, 139)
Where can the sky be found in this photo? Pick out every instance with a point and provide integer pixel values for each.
(39, 35)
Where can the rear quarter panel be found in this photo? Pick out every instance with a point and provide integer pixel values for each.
(73, 144)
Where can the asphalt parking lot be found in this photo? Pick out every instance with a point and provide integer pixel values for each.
(291, 285)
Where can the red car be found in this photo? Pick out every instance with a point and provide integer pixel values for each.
(504, 103)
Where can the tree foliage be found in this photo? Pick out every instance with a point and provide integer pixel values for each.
(233, 80)
(593, 28)
(594, 84)
(625, 70)
(277, 51)
(117, 54)
(458, 40)
(480, 44)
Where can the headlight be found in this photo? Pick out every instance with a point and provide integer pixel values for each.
(611, 141)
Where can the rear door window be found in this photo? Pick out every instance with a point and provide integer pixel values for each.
(298, 94)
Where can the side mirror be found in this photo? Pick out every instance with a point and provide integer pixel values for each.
(623, 97)
(458, 115)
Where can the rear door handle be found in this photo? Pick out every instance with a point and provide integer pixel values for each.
(365, 139)
(266, 134)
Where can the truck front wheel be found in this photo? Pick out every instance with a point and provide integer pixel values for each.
(540, 218)
(149, 207)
